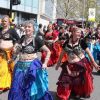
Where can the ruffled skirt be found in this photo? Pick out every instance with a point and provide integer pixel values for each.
(30, 82)
(96, 52)
(6, 69)
(81, 85)
(5, 75)
(55, 49)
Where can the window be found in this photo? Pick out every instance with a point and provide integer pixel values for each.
(28, 3)
(22, 2)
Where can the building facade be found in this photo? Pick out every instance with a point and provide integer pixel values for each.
(28, 9)
(47, 11)
(42, 11)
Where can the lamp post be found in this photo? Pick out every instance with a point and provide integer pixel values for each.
(13, 2)
(10, 12)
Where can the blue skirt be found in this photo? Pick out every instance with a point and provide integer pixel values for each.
(97, 52)
(91, 48)
(30, 82)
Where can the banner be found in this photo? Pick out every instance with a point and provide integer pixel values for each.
(92, 13)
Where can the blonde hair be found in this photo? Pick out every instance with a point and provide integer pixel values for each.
(6, 16)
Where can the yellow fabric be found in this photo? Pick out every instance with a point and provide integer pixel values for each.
(5, 76)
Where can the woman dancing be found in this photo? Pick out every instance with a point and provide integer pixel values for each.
(51, 38)
(8, 38)
(30, 79)
(76, 74)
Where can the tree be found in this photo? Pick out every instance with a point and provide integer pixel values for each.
(70, 9)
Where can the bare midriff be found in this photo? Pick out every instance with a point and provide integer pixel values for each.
(6, 44)
(25, 57)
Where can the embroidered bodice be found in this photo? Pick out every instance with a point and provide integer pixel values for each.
(33, 46)
(30, 48)
(75, 50)
(11, 34)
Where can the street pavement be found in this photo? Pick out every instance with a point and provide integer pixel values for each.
(53, 77)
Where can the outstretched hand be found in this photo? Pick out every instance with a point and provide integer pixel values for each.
(97, 68)
(44, 66)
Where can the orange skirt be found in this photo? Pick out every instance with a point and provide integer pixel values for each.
(8, 56)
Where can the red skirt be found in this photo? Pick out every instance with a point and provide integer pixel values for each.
(81, 85)
(55, 52)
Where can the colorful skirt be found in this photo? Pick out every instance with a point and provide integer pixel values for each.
(6, 69)
(96, 52)
(91, 47)
(55, 49)
(81, 84)
(30, 82)
(5, 76)
(65, 57)
(8, 56)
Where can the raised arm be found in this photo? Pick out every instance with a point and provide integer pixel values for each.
(48, 53)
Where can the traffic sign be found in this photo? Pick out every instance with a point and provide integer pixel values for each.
(91, 16)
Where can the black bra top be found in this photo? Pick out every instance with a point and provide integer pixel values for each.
(76, 49)
(28, 48)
